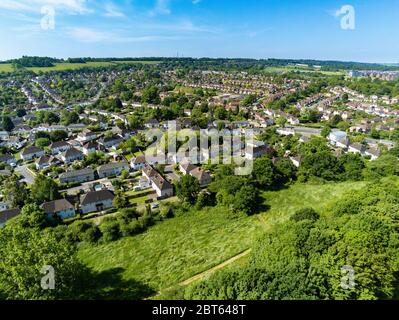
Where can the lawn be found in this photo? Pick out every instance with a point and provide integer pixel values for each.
(179, 248)
(6, 67)
(175, 249)
(74, 66)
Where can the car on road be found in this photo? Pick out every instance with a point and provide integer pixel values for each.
(155, 205)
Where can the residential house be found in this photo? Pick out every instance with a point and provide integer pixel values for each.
(296, 161)
(90, 147)
(96, 201)
(8, 159)
(339, 139)
(109, 142)
(46, 161)
(151, 124)
(186, 167)
(373, 153)
(112, 169)
(201, 175)
(61, 208)
(71, 155)
(7, 215)
(161, 186)
(83, 175)
(31, 153)
(138, 163)
(59, 147)
(86, 136)
(357, 148)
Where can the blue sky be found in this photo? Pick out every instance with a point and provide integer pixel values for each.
(200, 28)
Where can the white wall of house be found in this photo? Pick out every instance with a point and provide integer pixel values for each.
(93, 207)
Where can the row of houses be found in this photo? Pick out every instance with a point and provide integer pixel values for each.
(104, 171)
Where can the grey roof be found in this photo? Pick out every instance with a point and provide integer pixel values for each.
(8, 214)
(31, 150)
(57, 206)
(77, 173)
(113, 165)
(96, 196)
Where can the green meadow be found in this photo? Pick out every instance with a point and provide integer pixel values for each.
(177, 249)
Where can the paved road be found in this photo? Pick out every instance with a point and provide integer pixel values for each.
(29, 178)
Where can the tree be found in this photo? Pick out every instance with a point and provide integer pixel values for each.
(69, 117)
(24, 255)
(21, 112)
(120, 201)
(263, 172)
(7, 124)
(14, 192)
(305, 214)
(110, 230)
(321, 164)
(187, 189)
(325, 131)
(247, 199)
(58, 135)
(44, 189)
(32, 216)
(150, 95)
(42, 142)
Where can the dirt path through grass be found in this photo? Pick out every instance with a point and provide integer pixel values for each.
(205, 273)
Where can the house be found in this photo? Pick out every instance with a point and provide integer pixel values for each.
(71, 155)
(357, 148)
(4, 135)
(162, 187)
(86, 136)
(339, 139)
(256, 149)
(95, 201)
(14, 142)
(112, 169)
(45, 162)
(59, 146)
(151, 124)
(186, 167)
(83, 175)
(296, 161)
(202, 176)
(138, 163)
(61, 208)
(7, 215)
(8, 159)
(90, 147)
(31, 153)
(109, 142)
(374, 153)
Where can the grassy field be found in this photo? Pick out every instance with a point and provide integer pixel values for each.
(177, 249)
(74, 66)
(286, 69)
(6, 67)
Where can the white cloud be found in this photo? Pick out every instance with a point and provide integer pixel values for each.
(113, 11)
(94, 36)
(196, 1)
(70, 6)
(161, 7)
